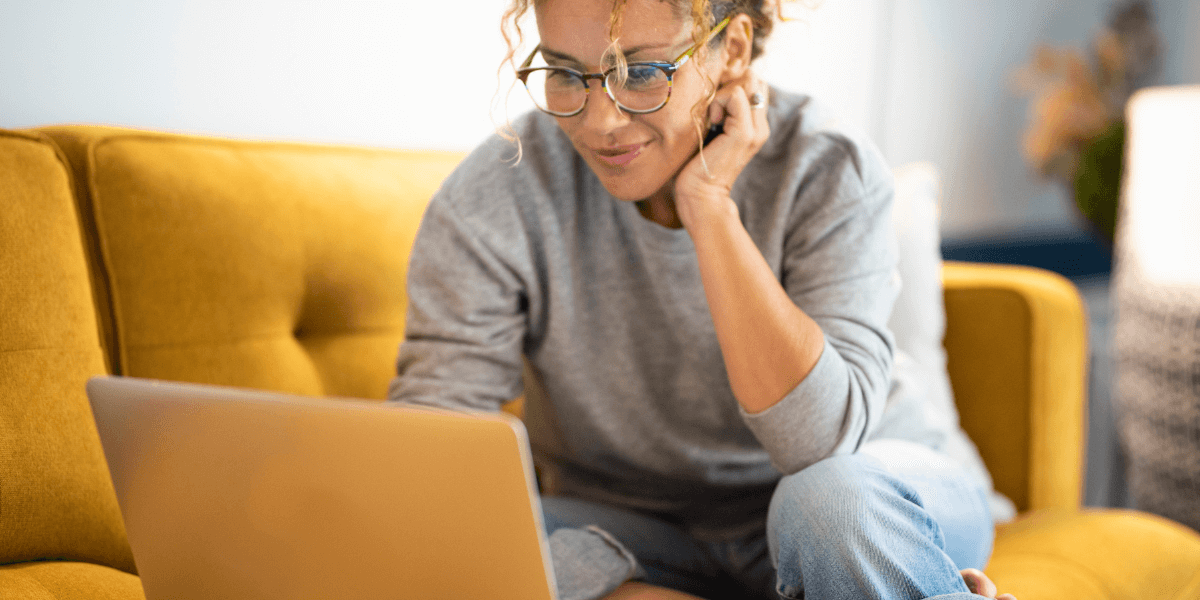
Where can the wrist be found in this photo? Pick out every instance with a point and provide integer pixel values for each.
(704, 207)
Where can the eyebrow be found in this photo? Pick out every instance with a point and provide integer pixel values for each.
(562, 56)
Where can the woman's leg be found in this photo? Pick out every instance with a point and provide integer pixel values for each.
(850, 527)
(949, 495)
(596, 548)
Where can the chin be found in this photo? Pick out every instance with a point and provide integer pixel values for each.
(628, 193)
(629, 185)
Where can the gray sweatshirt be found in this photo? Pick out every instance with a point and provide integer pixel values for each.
(531, 278)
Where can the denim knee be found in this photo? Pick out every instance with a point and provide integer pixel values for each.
(826, 503)
(855, 530)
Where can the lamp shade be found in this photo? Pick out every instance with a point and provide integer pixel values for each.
(1156, 285)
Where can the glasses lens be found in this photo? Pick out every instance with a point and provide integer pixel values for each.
(644, 87)
(556, 90)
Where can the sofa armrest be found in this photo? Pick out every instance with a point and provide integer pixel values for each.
(1016, 344)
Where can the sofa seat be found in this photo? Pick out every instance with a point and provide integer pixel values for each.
(1097, 555)
(52, 580)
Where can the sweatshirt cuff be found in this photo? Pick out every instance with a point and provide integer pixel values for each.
(810, 422)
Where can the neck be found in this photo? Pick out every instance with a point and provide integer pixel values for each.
(660, 208)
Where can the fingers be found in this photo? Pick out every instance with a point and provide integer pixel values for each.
(715, 168)
(725, 100)
(732, 107)
(979, 583)
(720, 108)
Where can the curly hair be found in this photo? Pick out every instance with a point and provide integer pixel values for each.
(704, 15)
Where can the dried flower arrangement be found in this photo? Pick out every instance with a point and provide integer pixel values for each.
(1076, 133)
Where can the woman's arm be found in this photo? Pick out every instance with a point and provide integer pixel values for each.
(769, 344)
(805, 342)
(465, 323)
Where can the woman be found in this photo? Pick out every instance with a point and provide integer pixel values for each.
(700, 333)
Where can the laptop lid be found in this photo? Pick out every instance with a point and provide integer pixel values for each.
(240, 494)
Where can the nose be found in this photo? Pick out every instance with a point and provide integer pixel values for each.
(601, 113)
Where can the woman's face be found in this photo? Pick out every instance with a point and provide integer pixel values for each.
(634, 156)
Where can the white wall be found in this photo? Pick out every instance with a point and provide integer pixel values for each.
(927, 78)
(834, 52)
(379, 72)
(949, 100)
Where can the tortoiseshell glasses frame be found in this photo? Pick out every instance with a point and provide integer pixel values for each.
(644, 88)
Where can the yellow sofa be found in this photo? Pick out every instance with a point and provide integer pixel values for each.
(282, 266)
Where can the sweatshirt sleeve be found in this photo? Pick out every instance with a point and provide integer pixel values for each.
(465, 324)
(839, 267)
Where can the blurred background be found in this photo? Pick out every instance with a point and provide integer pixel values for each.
(956, 83)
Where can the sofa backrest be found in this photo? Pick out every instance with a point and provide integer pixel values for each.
(267, 265)
(1016, 341)
(56, 499)
(282, 266)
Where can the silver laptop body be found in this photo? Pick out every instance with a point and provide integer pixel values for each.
(247, 495)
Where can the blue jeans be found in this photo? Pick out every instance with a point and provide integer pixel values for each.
(895, 520)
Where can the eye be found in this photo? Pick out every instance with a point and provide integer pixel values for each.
(642, 77)
(561, 79)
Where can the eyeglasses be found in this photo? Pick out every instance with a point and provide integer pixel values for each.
(645, 87)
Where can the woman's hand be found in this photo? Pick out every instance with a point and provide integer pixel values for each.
(704, 183)
(768, 344)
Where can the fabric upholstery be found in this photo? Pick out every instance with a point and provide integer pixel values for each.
(265, 265)
(282, 266)
(1017, 340)
(56, 499)
(1096, 555)
(67, 581)
(919, 318)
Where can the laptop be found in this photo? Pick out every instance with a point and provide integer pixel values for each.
(239, 494)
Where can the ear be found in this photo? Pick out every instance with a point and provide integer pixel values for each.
(735, 52)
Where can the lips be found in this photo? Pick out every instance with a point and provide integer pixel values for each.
(619, 156)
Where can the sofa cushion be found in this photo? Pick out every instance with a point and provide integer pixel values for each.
(56, 499)
(68, 581)
(918, 321)
(266, 265)
(1096, 555)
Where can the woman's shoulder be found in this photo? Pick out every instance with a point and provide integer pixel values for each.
(812, 134)
(504, 187)
(522, 156)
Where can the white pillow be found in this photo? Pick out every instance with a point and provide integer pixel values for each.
(919, 321)
(919, 318)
